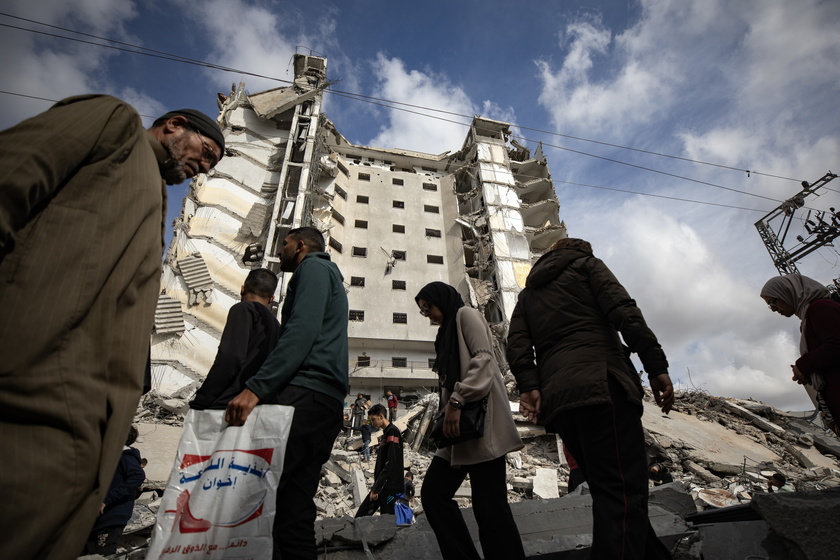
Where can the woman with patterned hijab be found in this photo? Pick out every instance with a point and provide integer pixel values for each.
(468, 373)
(819, 364)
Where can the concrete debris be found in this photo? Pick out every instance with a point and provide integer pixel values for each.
(719, 451)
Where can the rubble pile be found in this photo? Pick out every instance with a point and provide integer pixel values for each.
(720, 450)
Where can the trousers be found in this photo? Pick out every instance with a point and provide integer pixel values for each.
(316, 423)
(608, 444)
(497, 529)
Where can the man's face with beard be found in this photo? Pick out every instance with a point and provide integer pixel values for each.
(189, 154)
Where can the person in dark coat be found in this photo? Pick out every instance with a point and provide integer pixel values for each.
(116, 510)
(388, 478)
(575, 377)
(250, 334)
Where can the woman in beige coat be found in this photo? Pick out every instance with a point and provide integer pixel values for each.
(468, 373)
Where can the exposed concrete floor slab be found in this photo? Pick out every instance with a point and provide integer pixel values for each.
(709, 440)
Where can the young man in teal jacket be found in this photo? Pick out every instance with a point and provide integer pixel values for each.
(307, 370)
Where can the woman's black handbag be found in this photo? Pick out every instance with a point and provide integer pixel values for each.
(472, 424)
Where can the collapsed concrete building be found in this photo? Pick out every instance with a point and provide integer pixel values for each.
(394, 220)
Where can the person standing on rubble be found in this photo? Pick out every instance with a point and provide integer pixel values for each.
(575, 378)
(468, 372)
(307, 370)
(819, 343)
(250, 334)
(366, 430)
(82, 204)
(388, 477)
(359, 406)
(393, 403)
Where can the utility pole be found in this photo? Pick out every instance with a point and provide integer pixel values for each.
(822, 228)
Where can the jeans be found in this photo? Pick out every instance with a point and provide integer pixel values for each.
(497, 529)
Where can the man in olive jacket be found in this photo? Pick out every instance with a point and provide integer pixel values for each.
(575, 377)
(82, 208)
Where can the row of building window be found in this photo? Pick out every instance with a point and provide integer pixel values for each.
(358, 315)
(343, 194)
(396, 255)
(396, 361)
(359, 281)
(338, 217)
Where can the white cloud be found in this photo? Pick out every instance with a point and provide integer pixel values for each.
(53, 68)
(413, 131)
(747, 84)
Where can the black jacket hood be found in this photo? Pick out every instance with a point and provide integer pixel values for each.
(550, 265)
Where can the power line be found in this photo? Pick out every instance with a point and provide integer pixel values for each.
(531, 176)
(660, 196)
(396, 105)
(385, 102)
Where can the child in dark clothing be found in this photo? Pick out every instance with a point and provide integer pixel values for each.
(116, 510)
(366, 431)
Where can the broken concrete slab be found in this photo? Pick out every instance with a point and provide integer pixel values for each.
(757, 420)
(360, 490)
(697, 470)
(555, 528)
(673, 497)
(545, 484)
(734, 540)
(806, 521)
(709, 440)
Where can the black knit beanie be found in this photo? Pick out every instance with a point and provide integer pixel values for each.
(202, 123)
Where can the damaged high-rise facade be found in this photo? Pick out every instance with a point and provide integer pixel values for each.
(393, 219)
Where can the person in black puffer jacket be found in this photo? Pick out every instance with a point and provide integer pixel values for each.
(116, 510)
(575, 377)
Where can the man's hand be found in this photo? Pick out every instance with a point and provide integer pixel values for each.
(373, 496)
(451, 422)
(101, 510)
(529, 404)
(240, 407)
(798, 376)
(663, 391)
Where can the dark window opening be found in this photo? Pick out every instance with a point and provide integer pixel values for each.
(434, 259)
(357, 281)
(357, 315)
(401, 318)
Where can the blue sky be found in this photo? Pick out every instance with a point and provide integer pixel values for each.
(744, 85)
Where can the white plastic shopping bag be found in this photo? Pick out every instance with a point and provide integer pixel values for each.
(220, 498)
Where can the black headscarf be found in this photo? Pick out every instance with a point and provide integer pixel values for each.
(447, 359)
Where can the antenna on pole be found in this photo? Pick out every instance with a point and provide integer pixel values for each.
(822, 228)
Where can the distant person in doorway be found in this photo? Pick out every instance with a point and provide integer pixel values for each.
(574, 375)
(250, 334)
(819, 343)
(468, 372)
